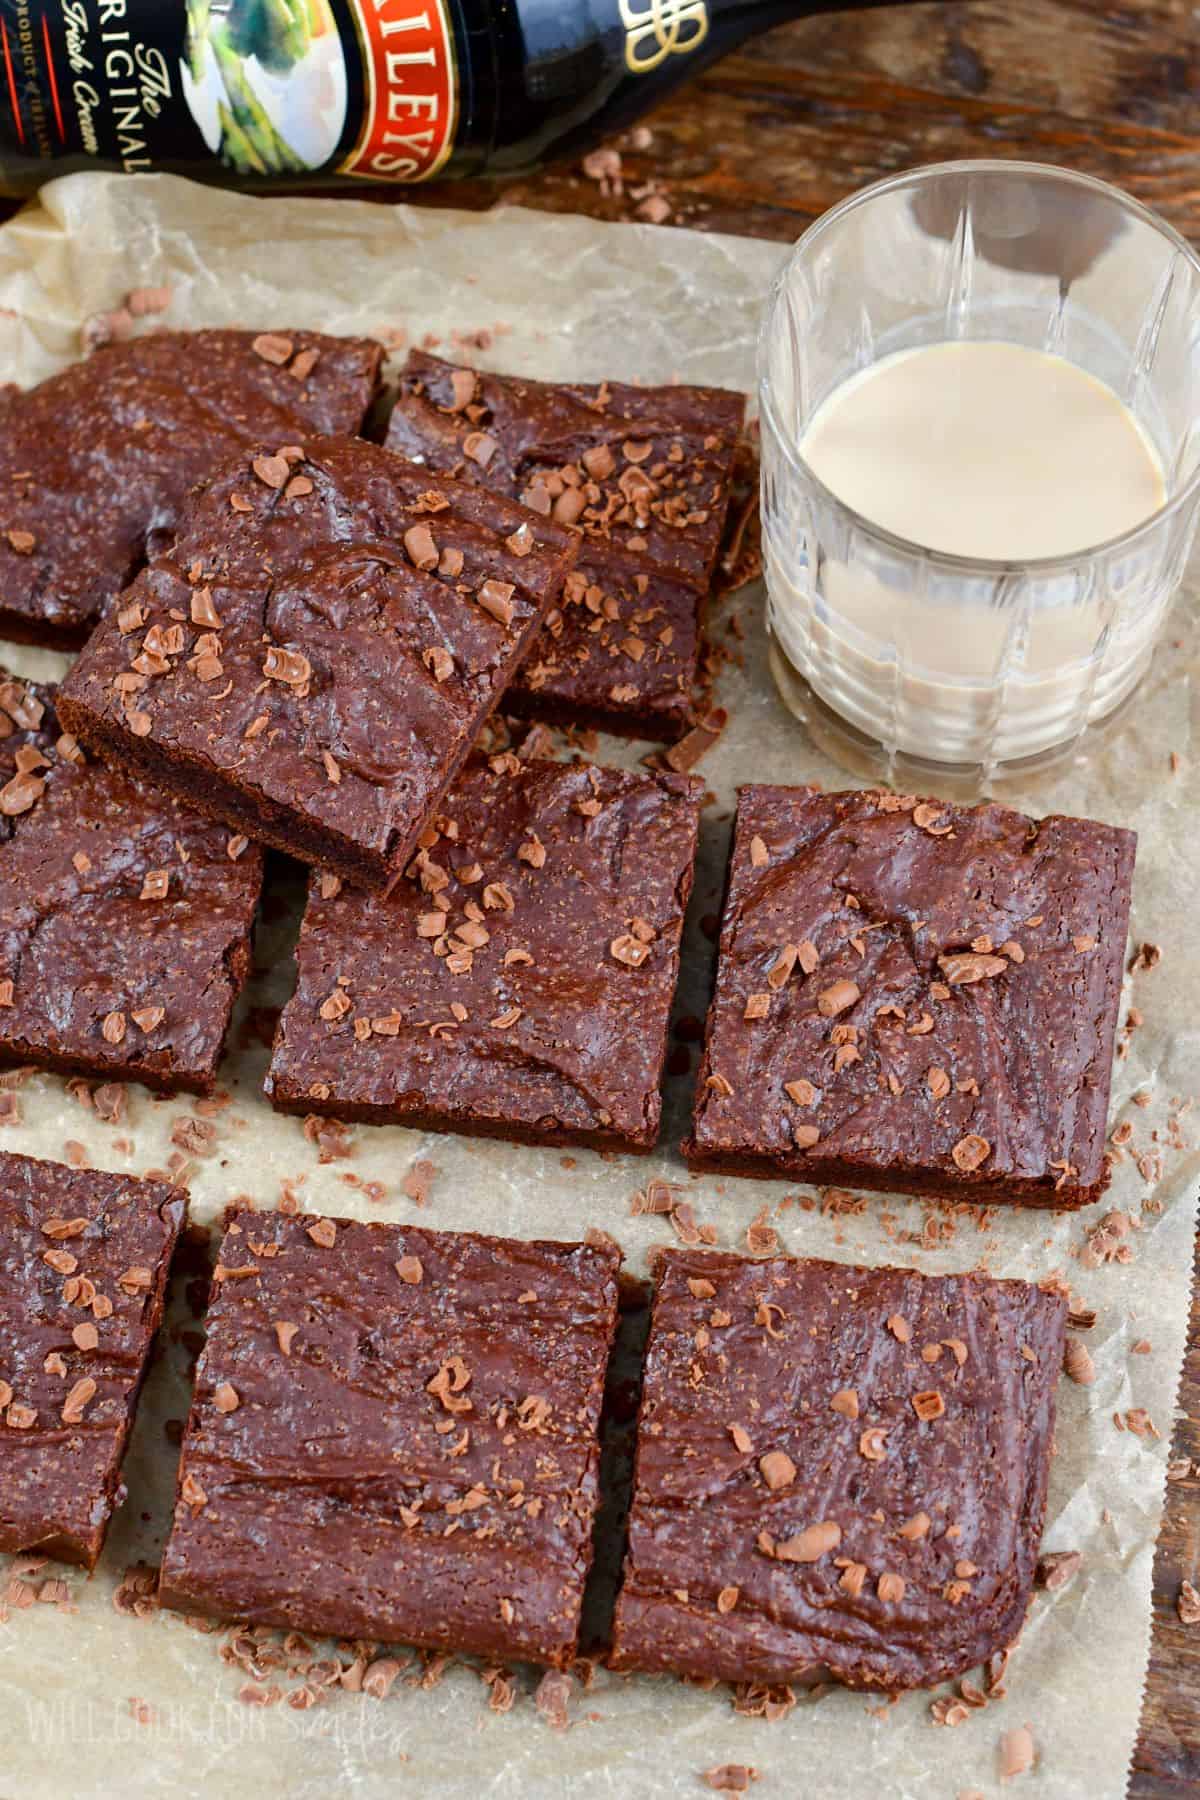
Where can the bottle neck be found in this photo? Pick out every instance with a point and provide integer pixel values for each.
(563, 67)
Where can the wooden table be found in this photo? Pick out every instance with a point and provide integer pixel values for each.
(772, 136)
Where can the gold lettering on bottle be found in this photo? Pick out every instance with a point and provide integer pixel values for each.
(656, 29)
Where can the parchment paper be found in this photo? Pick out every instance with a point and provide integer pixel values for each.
(590, 300)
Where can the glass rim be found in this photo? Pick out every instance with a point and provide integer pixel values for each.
(954, 562)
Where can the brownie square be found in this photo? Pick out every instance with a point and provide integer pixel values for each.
(394, 1436)
(644, 474)
(83, 1270)
(518, 983)
(621, 654)
(125, 917)
(96, 461)
(841, 1473)
(914, 996)
(313, 656)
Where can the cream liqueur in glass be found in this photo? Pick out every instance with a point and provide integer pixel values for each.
(979, 390)
(986, 449)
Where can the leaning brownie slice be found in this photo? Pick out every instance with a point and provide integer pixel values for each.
(644, 474)
(125, 917)
(841, 1473)
(394, 1436)
(518, 983)
(83, 1270)
(916, 997)
(312, 658)
(95, 462)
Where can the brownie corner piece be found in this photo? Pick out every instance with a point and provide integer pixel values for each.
(917, 997)
(518, 982)
(394, 1436)
(96, 461)
(868, 1451)
(311, 658)
(84, 1257)
(125, 917)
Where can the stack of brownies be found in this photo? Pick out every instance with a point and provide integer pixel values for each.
(291, 638)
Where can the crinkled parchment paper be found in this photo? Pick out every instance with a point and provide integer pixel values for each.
(589, 300)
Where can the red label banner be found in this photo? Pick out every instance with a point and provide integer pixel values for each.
(412, 92)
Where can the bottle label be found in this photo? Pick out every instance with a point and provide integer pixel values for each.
(304, 89)
(412, 90)
(291, 88)
(656, 29)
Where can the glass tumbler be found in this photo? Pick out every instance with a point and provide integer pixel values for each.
(916, 663)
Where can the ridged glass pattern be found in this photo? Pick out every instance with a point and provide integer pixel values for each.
(935, 660)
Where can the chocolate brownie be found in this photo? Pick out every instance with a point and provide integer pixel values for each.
(914, 996)
(518, 983)
(96, 461)
(644, 473)
(621, 654)
(125, 917)
(83, 1270)
(394, 1436)
(841, 1473)
(313, 656)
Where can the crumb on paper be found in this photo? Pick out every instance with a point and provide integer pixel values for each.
(730, 1778)
(1018, 1753)
(418, 1181)
(552, 1697)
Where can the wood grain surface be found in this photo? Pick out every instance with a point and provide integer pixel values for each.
(764, 142)
(772, 135)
